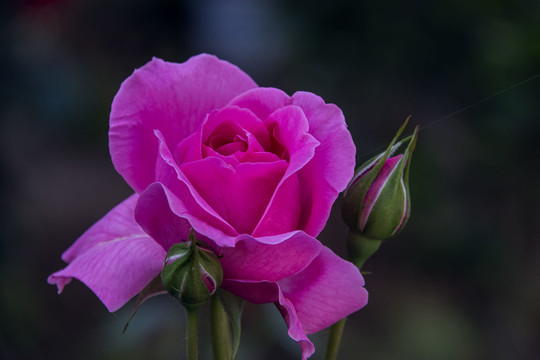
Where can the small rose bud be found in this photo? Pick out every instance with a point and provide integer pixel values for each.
(191, 273)
(377, 201)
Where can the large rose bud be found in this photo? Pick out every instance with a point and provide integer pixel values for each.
(377, 202)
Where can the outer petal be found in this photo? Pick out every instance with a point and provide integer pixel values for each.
(296, 329)
(325, 292)
(266, 292)
(254, 260)
(328, 290)
(257, 292)
(330, 170)
(114, 258)
(169, 97)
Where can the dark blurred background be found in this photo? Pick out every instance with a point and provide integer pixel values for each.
(460, 282)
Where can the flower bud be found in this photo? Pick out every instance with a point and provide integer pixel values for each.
(377, 202)
(191, 273)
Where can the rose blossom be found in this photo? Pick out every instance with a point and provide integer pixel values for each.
(252, 170)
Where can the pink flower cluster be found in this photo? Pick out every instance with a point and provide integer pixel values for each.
(252, 170)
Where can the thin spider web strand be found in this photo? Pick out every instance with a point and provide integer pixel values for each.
(459, 111)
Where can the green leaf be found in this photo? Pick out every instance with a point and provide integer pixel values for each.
(233, 307)
(154, 288)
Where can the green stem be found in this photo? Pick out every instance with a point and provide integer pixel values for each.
(360, 248)
(334, 340)
(192, 317)
(221, 335)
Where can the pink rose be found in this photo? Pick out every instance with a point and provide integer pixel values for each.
(252, 170)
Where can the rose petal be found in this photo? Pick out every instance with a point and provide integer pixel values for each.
(328, 290)
(291, 130)
(188, 149)
(165, 203)
(254, 153)
(169, 97)
(296, 330)
(229, 120)
(266, 292)
(262, 101)
(157, 219)
(239, 194)
(332, 166)
(171, 176)
(115, 271)
(257, 292)
(114, 258)
(252, 259)
(284, 212)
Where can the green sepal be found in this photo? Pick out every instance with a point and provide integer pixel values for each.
(410, 150)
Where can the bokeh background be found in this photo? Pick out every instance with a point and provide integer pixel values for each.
(462, 281)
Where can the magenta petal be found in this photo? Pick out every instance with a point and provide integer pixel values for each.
(188, 149)
(116, 270)
(114, 258)
(238, 194)
(184, 197)
(296, 329)
(230, 120)
(172, 98)
(257, 292)
(325, 292)
(285, 211)
(266, 292)
(154, 215)
(168, 205)
(253, 260)
(262, 101)
(328, 290)
(332, 166)
(291, 130)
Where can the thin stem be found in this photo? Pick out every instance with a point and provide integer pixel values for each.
(360, 248)
(192, 317)
(221, 335)
(334, 340)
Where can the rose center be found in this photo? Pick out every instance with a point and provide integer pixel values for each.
(224, 146)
